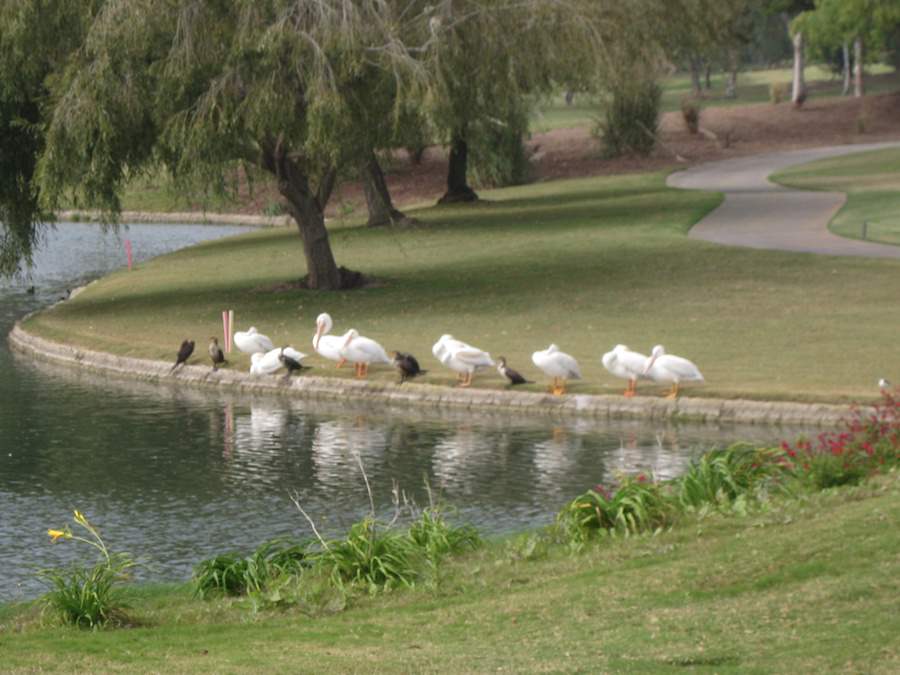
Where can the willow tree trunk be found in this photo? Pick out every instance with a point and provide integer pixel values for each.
(308, 210)
(845, 54)
(798, 91)
(378, 197)
(858, 86)
(458, 189)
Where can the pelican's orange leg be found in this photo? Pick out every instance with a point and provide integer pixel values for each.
(631, 389)
(467, 381)
(341, 362)
(561, 387)
(365, 370)
(674, 392)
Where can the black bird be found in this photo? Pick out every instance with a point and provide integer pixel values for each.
(514, 376)
(216, 353)
(290, 363)
(407, 365)
(184, 353)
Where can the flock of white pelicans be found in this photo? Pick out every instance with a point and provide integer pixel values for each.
(462, 358)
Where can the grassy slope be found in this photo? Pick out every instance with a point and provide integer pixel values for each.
(807, 585)
(872, 183)
(585, 263)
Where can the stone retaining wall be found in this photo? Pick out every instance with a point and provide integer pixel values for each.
(431, 396)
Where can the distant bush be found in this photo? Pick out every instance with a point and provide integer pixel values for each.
(690, 112)
(631, 119)
(779, 91)
(498, 157)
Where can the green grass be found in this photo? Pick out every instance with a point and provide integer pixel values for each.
(753, 87)
(805, 585)
(872, 183)
(585, 263)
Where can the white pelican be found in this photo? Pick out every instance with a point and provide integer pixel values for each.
(265, 364)
(326, 345)
(362, 351)
(252, 342)
(624, 363)
(558, 365)
(461, 357)
(662, 367)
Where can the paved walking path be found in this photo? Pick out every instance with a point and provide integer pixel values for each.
(761, 214)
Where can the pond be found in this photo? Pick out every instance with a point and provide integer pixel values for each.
(174, 475)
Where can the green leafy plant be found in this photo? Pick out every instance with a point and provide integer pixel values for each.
(720, 476)
(638, 504)
(87, 596)
(233, 574)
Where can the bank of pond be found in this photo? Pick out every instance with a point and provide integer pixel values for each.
(409, 547)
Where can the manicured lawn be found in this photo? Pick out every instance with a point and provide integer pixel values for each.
(804, 585)
(585, 263)
(753, 87)
(872, 183)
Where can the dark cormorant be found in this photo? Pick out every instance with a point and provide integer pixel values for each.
(216, 353)
(291, 364)
(514, 376)
(184, 353)
(407, 365)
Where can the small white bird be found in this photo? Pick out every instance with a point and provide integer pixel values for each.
(662, 367)
(362, 351)
(884, 385)
(326, 345)
(558, 365)
(461, 357)
(624, 363)
(265, 364)
(252, 342)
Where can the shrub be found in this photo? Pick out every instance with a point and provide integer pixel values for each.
(631, 119)
(721, 476)
(373, 557)
(233, 574)
(690, 112)
(779, 91)
(497, 152)
(87, 597)
(870, 443)
(638, 504)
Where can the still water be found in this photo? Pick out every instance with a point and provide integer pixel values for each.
(174, 475)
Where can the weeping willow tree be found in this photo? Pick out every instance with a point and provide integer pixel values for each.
(198, 87)
(36, 38)
(489, 59)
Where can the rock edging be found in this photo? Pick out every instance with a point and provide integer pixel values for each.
(432, 396)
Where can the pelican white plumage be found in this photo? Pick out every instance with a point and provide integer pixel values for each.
(265, 364)
(252, 342)
(362, 351)
(461, 357)
(326, 345)
(627, 364)
(663, 367)
(558, 365)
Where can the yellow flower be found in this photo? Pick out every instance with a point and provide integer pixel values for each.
(79, 517)
(56, 534)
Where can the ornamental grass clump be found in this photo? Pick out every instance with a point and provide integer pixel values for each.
(232, 574)
(870, 443)
(721, 476)
(638, 504)
(87, 596)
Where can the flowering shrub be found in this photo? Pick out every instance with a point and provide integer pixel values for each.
(721, 476)
(870, 442)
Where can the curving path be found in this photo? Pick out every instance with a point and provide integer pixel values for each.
(760, 214)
